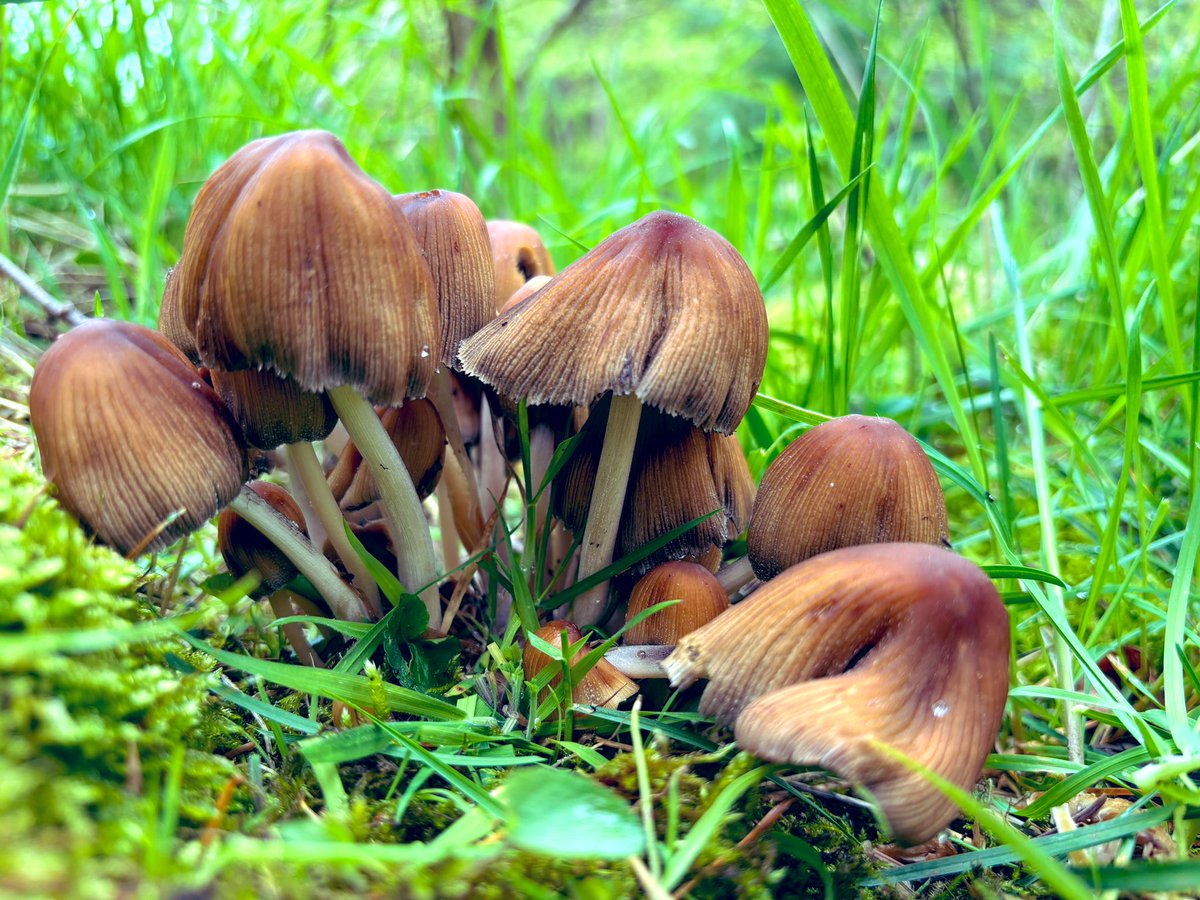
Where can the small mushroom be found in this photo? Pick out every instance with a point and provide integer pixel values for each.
(518, 255)
(603, 685)
(899, 644)
(245, 549)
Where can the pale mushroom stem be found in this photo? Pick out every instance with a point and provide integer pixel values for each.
(411, 537)
(440, 394)
(345, 603)
(734, 577)
(455, 483)
(541, 451)
(639, 660)
(446, 520)
(608, 498)
(303, 462)
(492, 465)
(281, 605)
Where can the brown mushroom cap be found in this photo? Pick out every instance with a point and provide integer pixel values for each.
(701, 599)
(518, 255)
(603, 685)
(272, 409)
(170, 319)
(296, 261)
(245, 549)
(454, 241)
(664, 309)
(904, 644)
(851, 480)
(416, 430)
(129, 434)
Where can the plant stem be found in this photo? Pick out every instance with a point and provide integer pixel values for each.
(608, 498)
(345, 603)
(406, 516)
(305, 466)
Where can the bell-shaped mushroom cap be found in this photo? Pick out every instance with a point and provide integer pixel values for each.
(701, 599)
(678, 473)
(130, 435)
(603, 685)
(272, 409)
(852, 480)
(417, 432)
(454, 241)
(245, 549)
(170, 319)
(295, 260)
(518, 255)
(903, 644)
(665, 309)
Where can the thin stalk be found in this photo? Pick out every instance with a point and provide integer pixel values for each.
(281, 605)
(734, 577)
(457, 492)
(541, 451)
(410, 532)
(441, 394)
(493, 467)
(342, 599)
(303, 462)
(608, 498)
(639, 660)
(446, 520)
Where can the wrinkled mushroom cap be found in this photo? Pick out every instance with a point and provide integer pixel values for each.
(129, 434)
(901, 644)
(664, 309)
(245, 549)
(295, 260)
(701, 599)
(518, 256)
(454, 241)
(851, 480)
(603, 685)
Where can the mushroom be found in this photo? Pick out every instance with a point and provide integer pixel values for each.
(518, 255)
(603, 685)
(663, 313)
(905, 645)
(295, 260)
(416, 431)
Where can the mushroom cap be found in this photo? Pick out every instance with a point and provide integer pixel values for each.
(902, 644)
(851, 480)
(678, 474)
(295, 260)
(416, 430)
(518, 255)
(664, 309)
(701, 599)
(273, 409)
(454, 241)
(603, 685)
(245, 549)
(170, 319)
(129, 434)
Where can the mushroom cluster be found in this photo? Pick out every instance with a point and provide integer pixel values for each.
(383, 349)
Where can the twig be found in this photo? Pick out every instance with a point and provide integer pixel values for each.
(54, 310)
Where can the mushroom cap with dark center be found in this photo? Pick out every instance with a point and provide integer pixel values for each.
(518, 256)
(129, 434)
(295, 260)
(851, 480)
(245, 549)
(898, 644)
(664, 309)
(453, 238)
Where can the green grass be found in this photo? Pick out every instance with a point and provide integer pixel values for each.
(979, 221)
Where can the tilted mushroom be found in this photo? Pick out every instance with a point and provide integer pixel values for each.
(603, 685)
(663, 313)
(295, 260)
(899, 644)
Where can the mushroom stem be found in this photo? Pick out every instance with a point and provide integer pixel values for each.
(303, 462)
(446, 522)
(440, 394)
(281, 605)
(734, 577)
(492, 465)
(608, 498)
(541, 451)
(345, 603)
(405, 515)
(639, 660)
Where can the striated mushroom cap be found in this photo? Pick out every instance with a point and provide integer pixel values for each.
(245, 549)
(902, 644)
(129, 434)
(454, 241)
(851, 480)
(273, 409)
(701, 599)
(170, 319)
(295, 260)
(603, 685)
(664, 309)
(518, 256)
